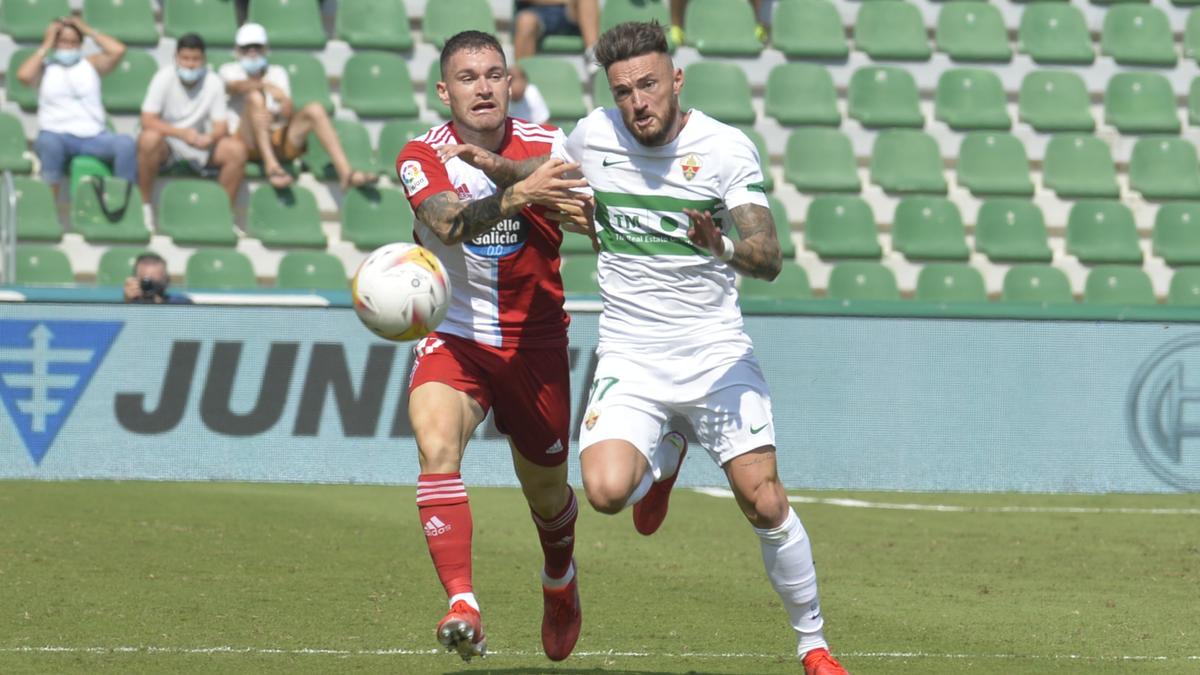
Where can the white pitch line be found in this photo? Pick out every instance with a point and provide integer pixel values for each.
(951, 508)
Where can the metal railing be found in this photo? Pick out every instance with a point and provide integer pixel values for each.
(8, 231)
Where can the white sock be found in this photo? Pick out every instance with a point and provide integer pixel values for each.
(787, 555)
(469, 598)
(559, 583)
(642, 488)
(666, 458)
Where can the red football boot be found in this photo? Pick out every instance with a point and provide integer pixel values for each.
(649, 514)
(462, 630)
(820, 662)
(561, 618)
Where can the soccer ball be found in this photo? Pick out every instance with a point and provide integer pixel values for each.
(401, 291)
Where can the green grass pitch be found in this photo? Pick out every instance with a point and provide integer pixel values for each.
(240, 578)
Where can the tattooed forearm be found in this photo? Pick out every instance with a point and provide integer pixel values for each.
(757, 254)
(456, 221)
(505, 172)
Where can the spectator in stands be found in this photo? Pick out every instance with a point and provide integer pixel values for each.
(265, 119)
(524, 99)
(184, 120)
(762, 10)
(149, 282)
(536, 19)
(71, 119)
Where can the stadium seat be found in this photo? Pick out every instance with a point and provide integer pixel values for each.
(311, 270)
(577, 244)
(801, 93)
(373, 24)
(1052, 32)
(718, 88)
(37, 216)
(821, 160)
(26, 20)
(43, 265)
(1176, 236)
(124, 89)
(130, 21)
(791, 284)
(950, 282)
(1100, 232)
(1191, 36)
(560, 86)
(393, 137)
(1194, 102)
(972, 31)
(432, 102)
(15, 154)
(290, 23)
(1051, 100)
(14, 91)
(862, 280)
(220, 269)
(906, 160)
(614, 12)
(884, 96)
(1036, 283)
(1185, 287)
(764, 157)
(1011, 230)
(213, 20)
(1165, 168)
(808, 29)
(306, 77)
(377, 84)
(579, 274)
(196, 212)
(372, 217)
(82, 166)
(116, 265)
(929, 228)
(1079, 166)
(1118, 285)
(721, 28)
(1138, 103)
(839, 226)
(1137, 35)
(601, 94)
(89, 218)
(287, 217)
(891, 31)
(783, 228)
(444, 19)
(971, 98)
(356, 143)
(993, 164)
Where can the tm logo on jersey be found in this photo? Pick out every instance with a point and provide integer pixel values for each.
(45, 366)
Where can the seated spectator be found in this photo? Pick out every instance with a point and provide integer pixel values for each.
(149, 282)
(71, 118)
(536, 19)
(263, 116)
(524, 99)
(184, 120)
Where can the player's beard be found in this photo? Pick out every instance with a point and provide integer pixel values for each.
(658, 137)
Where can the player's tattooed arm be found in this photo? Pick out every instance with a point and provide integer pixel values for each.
(501, 170)
(756, 255)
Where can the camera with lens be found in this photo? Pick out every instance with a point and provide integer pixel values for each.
(151, 289)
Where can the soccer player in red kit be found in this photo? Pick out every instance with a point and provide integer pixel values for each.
(503, 343)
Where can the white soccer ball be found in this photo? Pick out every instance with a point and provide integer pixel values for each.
(401, 291)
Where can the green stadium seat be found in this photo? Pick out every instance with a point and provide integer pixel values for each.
(124, 89)
(1176, 236)
(971, 98)
(218, 58)
(559, 83)
(432, 102)
(1055, 33)
(576, 244)
(1194, 102)
(43, 265)
(289, 24)
(841, 227)
(972, 31)
(1055, 101)
(801, 93)
(1118, 285)
(287, 217)
(116, 265)
(220, 269)
(1165, 168)
(26, 20)
(821, 160)
(1101, 232)
(81, 166)
(213, 20)
(356, 143)
(721, 28)
(906, 160)
(950, 282)
(862, 280)
(1137, 35)
(929, 228)
(579, 274)
(993, 164)
(614, 12)
(393, 137)
(196, 212)
(764, 156)
(372, 217)
(311, 270)
(37, 216)
(130, 21)
(808, 29)
(445, 19)
(601, 94)
(307, 78)
(373, 24)
(15, 154)
(883, 96)
(718, 88)
(89, 218)
(1191, 36)
(14, 91)
(1079, 166)
(1036, 283)
(791, 284)
(1011, 230)
(783, 228)
(1140, 103)
(561, 44)
(377, 84)
(891, 31)
(1185, 287)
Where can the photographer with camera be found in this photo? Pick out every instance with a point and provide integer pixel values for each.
(149, 282)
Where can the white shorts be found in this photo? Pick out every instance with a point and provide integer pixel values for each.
(729, 407)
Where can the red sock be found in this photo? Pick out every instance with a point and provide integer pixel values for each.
(557, 535)
(446, 518)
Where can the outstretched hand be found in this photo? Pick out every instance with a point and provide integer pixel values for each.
(549, 185)
(577, 216)
(704, 232)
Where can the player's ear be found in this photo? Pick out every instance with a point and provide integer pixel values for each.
(678, 80)
(443, 93)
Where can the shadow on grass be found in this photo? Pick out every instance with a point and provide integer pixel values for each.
(550, 670)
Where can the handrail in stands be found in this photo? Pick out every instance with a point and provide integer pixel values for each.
(8, 231)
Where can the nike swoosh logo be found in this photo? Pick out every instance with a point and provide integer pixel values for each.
(754, 430)
(608, 163)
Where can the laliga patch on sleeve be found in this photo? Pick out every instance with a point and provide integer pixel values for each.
(413, 177)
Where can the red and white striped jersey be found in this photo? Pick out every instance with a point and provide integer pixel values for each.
(507, 291)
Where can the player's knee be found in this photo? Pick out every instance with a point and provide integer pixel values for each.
(439, 453)
(606, 497)
(768, 504)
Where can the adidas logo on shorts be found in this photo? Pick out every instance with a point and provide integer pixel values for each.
(434, 526)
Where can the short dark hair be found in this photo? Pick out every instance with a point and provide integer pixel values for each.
(627, 40)
(148, 257)
(190, 41)
(470, 40)
(68, 26)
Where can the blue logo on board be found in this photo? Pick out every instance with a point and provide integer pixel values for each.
(44, 368)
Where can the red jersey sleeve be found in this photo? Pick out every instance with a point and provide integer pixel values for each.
(421, 173)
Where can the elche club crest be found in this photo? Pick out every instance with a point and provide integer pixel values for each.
(690, 166)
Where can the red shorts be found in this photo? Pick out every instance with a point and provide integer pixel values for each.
(528, 390)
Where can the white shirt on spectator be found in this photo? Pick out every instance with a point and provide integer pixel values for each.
(69, 100)
(195, 107)
(531, 108)
(276, 75)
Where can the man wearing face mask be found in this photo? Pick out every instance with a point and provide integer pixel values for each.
(70, 116)
(184, 120)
